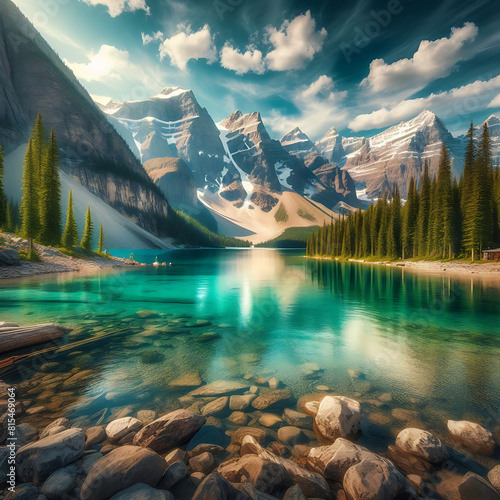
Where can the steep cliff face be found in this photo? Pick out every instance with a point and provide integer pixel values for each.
(34, 80)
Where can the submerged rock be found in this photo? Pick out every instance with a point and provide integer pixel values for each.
(214, 486)
(494, 477)
(169, 431)
(220, 388)
(59, 483)
(474, 487)
(241, 402)
(55, 427)
(272, 399)
(475, 437)
(141, 491)
(118, 429)
(175, 473)
(192, 379)
(216, 407)
(422, 444)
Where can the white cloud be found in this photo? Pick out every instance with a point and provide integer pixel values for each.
(319, 104)
(495, 103)
(117, 7)
(295, 43)
(249, 62)
(187, 45)
(108, 63)
(460, 101)
(155, 37)
(433, 60)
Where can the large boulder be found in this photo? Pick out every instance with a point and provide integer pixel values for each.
(215, 487)
(473, 436)
(59, 425)
(175, 473)
(335, 460)
(216, 407)
(422, 444)
(338, 416)
(9, 257)
(36, 461)
(375, 479)
(121, 468)
(474, 487)
(141, 491)
(27, 491)
(272, 399)
(170, 431)
(268, 477)
(118, 429)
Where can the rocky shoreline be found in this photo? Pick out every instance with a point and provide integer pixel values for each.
(52, 261)
(247, 439)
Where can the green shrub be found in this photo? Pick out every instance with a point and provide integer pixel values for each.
(281, 214)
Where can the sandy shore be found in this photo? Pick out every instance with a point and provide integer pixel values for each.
(54, 261)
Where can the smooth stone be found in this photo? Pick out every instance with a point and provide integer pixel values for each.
(49, 367)
(474, 487)
(59, 483)
(59, 425)
(94, 435)
(7, 324)
(270, 420)
(215, 487)
(259, 435)
(422, 444)
(204, 462)
(220, 388)
(121, 468)
(324, 388)
(473, 436)
(274, 383)
(121, 427)
(297, 419)
(25, 433)
(408, 463)
(272, 399)
(192, 379)
(385, 398)
(142, 491)
(310, 369)
(375, 479)
(239, 418)
(197, 478)
(494, 477)
(241, 402)
(177, 455)
(88, 461)
(216, 408)
(170, 431)
(417, 482)
(338, 416)
(175, 473)
(291, 435)
(213, 449)
(146, 416)
(36, 461)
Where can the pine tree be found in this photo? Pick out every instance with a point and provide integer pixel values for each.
(101, 239)
(30, 203)
(444, 236)
(50, 196)
(3, 198)
(410, 216)
(424, 213)
(70, 235)
(394, 234)
(10, 224)
(86, 242)
(39, 145)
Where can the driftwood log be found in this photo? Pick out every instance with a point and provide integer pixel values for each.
(13, 338)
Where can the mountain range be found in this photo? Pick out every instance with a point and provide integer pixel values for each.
(129, 157)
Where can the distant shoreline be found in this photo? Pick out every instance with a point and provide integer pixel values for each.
(491, 270)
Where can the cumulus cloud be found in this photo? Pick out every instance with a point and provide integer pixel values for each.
(250, 61)
(456, 102)
(154, 37)
(318, 104)
(188, 45)
(108, 63)
(433, 60)
(295, 43)
(117, 7)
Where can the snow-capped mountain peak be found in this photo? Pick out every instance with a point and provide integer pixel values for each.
(169, 92)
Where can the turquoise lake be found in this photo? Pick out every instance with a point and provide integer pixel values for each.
(427, 347)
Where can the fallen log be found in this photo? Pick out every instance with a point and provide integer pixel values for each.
(14, 338)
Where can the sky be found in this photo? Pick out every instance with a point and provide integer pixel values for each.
(359, 66)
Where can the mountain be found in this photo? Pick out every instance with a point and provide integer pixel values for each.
(94, 156)
(241, 174)
(394, 155)
(297, 143)
(493, 123)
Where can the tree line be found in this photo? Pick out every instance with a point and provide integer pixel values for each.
(441, 218)
(40, 213)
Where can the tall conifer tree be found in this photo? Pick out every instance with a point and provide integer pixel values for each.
(70, 235)
(86, 242)
(30, 203)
